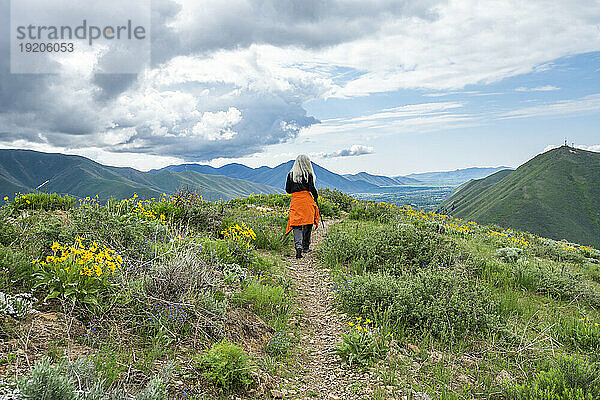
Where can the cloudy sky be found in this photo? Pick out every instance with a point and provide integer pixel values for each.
(383, 86)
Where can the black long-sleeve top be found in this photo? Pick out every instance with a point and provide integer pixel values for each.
(292, 187)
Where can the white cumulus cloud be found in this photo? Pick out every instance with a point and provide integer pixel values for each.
(217, 125)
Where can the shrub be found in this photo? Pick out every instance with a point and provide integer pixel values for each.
(436, 227)
(267, 200)
(58, 382)
(368, 211)
(78, 273)
(45, 230)
(15, 270)
(239, 239)
(226, 365)
(386, 247)
(155, 390)
(270, 302)
(8, 232)
(443, 304)
(557, 282)
(509, 254)
(43, 201)
(188, 208)
(342, 200)
(269, 231)
(180, 274)
(46, 383)
(123, 233)
(278, 345)
(556, 251)
(571, 378)
(328, 209)
(362, 345)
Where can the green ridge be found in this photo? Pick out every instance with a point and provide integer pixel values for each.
(25, 170)
(556, 194)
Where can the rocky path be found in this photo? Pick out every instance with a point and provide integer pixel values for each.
(320, 374)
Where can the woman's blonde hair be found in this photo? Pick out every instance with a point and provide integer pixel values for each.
(302, 169)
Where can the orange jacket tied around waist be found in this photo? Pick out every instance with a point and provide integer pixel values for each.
(303, 210)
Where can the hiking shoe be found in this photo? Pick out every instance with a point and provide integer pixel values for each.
(306, 250)
(298, 253)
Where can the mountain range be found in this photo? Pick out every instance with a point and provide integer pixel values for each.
(26, 170)
(452, 178)
(361, 182)
(382, 180)
(555, 194)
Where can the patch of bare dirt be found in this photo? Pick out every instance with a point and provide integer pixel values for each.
(40, 334)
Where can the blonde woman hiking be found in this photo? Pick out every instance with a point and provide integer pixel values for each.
(303, 208)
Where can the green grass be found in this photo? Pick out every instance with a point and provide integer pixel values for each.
(270, 302)
(174, 294)
(516, 314)
(368, 247)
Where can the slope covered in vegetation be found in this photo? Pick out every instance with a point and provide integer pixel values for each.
(182, 298)
(555, 194)
(484, 312)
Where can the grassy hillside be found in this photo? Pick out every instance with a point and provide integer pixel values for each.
(555, 194)
(180, 298)
(24, 170)
(482, 313)
(465, 192)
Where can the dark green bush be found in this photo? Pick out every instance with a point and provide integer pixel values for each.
(126, 233)
(226, 365)
(570, 379)
(554, 251)
(266, 200)
(328, 209)
(8, 231)
(47, 230)
(269, 230)
(369, 211)
(342, 200)
(16, 270)
(390, 248)
(446, 305)
(201, 215)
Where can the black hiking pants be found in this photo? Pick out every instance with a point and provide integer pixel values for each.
(302, 236)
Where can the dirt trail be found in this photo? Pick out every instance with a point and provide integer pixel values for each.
(320, 374)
